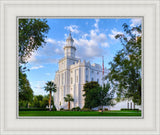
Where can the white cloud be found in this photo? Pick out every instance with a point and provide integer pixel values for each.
(49, 40)
(33, 57)
(114, 32)
(48, 52)
(105, 44)
(36, 67)
(89, 45)
(96, 25)
(72, 28)
(39, 88)
(135, 22)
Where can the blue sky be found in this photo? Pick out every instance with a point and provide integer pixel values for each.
(93, 39)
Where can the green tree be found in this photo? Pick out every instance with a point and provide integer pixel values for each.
(91, 94)
(50, 87)
(125, 71)
(32, 34)
(68, 99)
(25, 91)
(45, 101)
(37, 101)
(96, 95)
(106, 96)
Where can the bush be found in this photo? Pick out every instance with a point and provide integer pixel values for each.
(86, 109)
(54, 108)
(33, 109)
(76, 109)
(106, 109)
(62, 109)
(125, 109)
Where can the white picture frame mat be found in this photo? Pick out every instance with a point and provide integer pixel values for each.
(148, 124)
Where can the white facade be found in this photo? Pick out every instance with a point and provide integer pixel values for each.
(72, 75)
(125, 104)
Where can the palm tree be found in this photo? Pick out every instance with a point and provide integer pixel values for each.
(51, 87)
(68, 99)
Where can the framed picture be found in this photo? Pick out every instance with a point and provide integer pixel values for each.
(79, 41)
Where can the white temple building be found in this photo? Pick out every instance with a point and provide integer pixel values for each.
(72, 75)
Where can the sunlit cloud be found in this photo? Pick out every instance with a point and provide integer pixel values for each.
(72, 28)
(135, 22)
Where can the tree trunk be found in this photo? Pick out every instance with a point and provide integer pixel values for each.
(69, 105)
(50, 100)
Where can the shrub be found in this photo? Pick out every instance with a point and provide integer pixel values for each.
(125, 109)
(86, 109)
(76, 109)
(106, 109)
(62, 109)
(33, 109)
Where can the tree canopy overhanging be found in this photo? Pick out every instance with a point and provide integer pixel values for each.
(32, 34)
(125, 69)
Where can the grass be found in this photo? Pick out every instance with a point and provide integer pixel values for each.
(79, 113)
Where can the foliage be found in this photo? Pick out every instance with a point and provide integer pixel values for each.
(62, 109)
(68, 99)
(86, 110)
(25, 90)
(44, 101)
(95, 95)
(36, 102)
(33, 109)
(125, 109)
(106, 95)
(91, 95)
(125, 71)
(31, 37)
(106, 109)
(32, 34)
(50, 87)
(76, 109)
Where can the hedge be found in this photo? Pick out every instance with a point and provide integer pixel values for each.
(125, 109)
(34, 109)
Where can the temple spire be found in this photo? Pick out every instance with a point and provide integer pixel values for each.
(69, 48)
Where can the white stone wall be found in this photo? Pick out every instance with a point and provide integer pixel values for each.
(71, 80)
(72, 75)
(126, 104)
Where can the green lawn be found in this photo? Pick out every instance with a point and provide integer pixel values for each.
(79, 113)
